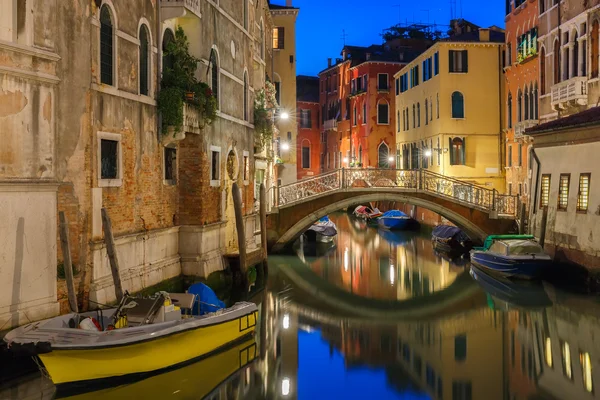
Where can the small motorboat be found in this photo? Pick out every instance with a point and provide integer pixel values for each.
(324, 231)
(451, 239)
(394, 220)
(368, 214)
(142, 336)
(513, 256)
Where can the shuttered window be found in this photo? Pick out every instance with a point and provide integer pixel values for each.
(459, 61)
(563, 191)
(305, 157)
(583, 195)
(458, 105)
(457, 151)
(279, 38)
(545, 191)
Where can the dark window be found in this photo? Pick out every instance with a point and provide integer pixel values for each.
(170, 163)
(418, 365)
(382, 82)
(144, 63)
(426, 112)
(460, 347)
(305, 119)
(215, 171)
(383, 156)
(520, 155)
(278, 38)
(305, 157)
(246, 95)
(542, 6)
(430, 376)
(594, 47)
(556, 57)
(458, 105)
(509, 111)
(383, 113)
(436, 63)
(168, 38)
(109, 159)
(457, 151)
(509, 156)
(543, 72)
(245, 16)
(106, 46)
(214, 69)
(462, 390)
(418, 115)
(278, 92)
(397, 87)
(459, 60)
(365, 82)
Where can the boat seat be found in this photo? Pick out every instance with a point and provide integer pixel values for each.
(141, 311)
(183, 300)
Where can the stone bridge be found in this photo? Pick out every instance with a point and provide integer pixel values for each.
(478, 210)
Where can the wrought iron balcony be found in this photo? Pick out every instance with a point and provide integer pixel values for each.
(571, 92)
(522, 126)
(179, 8)
(330, 124)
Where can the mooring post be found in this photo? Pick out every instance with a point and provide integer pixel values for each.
(544, 222)
(239, 225)
(263, 219)
(111, 250)
(67, 262)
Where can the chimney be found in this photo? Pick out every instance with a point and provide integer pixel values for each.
(328, 62)
(344, 54)
(484, 35)
(368, 56)
(288, 3)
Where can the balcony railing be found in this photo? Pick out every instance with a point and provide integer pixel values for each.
(175, 8)
(570, 92)
(330, 124)
(192, 119)
(522, 126)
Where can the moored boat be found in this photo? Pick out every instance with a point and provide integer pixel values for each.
(141, 336)
(324, 231)
(368, 214)
(513, 256)
(394, 220)
(451, 239)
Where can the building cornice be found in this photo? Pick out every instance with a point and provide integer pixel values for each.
(29, 50)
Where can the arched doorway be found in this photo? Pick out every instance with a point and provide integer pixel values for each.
(232, 172)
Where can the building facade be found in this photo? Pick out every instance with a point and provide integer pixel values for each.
(284, 77)
(442, 125)
(307, 112)
(522, 91)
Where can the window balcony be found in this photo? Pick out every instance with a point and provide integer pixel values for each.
(330, 125)
(522, 126)
(193, 121)
(572, 92)
(179, 8)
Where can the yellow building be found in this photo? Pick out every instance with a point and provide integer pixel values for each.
(284, 77)
(449, 109)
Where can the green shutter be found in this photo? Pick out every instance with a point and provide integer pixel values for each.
(465, 60)
(451, 60)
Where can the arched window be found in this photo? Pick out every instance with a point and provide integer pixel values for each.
(167, 59)
(383, 156)
(246, 96)
(214, 74)
(535, 101)
(426, 112)
(458, 105)
(556, 62)
(532, 102)
(509, 110)
(107, 61)
(520, 106)
(360, 161)
(398, 121)
(144, 61)
(575, 58)
(543, 71)
(594, 52)
(418, 114)
(526, 105)
(383, 112)
(431, 109)
(457, 151)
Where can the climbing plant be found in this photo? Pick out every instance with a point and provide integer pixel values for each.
(265, 103)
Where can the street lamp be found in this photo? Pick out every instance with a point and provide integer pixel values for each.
(284, 116)
(390, 159)
(427, 153)
(285, 146)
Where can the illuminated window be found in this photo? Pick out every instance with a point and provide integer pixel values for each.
(563, 191)
(548, 352)
(584, 192)
(278, 38)
(545, 191)
(586, 369)
(566, 360)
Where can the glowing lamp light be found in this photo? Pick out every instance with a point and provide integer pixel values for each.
(427, 153)
(286, 321)
(285, 386)
(346, 160)
(284, 116)
(392, 274)
(285, 146)
(391, 159)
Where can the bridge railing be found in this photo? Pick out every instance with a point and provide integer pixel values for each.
(472, 195)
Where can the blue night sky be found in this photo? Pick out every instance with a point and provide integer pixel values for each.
(321, 22)
(323, 377)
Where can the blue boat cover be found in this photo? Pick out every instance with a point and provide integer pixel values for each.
(394, 214)
(448, 232)
(324, 219)
(206, 300)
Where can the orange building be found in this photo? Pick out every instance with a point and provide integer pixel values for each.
(522, 69)
(307, 114)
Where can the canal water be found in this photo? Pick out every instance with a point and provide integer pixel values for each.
(381, 315)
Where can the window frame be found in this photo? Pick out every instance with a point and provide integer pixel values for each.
(579, 209)
(246, 107)
(116, 137)
(212, 65)
(246, 167)
(114, 26)
(364, 120)
(379, 103)
(462, 98)
(456, 67)
(215, 182)
(563, 192)
(144, 26)
(387, 82)
(280, 37)
(545, 197)
(172, 181)
(302, 147)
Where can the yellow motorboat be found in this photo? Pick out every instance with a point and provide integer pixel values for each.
(195, 381)
(142, 336)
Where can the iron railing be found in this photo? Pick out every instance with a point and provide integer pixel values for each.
(424, 181)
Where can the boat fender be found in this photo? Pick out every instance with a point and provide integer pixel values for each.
(90, 324)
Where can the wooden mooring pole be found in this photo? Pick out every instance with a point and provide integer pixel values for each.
(111, 250)
(67, 262)
(544, 222)
(239, 225)
(263, 220)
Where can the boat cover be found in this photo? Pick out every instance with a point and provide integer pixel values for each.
(324, 219)
(324, 228)
(394, 214)
(490, 239)
(449, 232)
(206, 300)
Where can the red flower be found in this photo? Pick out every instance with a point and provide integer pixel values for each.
(208, 92)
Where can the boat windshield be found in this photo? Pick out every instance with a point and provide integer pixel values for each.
(525, 247)
(498, 248)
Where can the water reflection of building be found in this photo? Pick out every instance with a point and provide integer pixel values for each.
(520, 355)
(384, 265)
